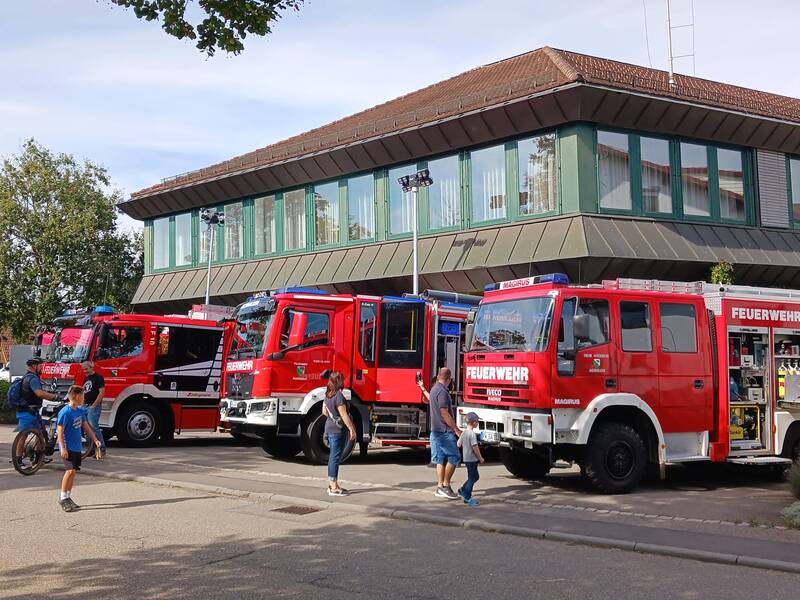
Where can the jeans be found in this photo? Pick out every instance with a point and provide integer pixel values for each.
(472, 479)
(93, 416)
(444, 448)
(336, 442)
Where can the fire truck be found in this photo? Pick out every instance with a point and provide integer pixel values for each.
(632, 374)
(162, 374)
(285, 344)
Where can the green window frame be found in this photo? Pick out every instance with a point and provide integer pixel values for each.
(360, 208)
(276, 230)
(161, 229)
(546, 202)
(793, 189)
(327, 209)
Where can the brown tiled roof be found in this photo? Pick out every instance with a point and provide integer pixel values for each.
(509, 79)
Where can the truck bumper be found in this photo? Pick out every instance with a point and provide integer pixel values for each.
(534, 427)
(255, 412)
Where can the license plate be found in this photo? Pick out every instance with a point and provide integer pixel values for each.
(490, 437)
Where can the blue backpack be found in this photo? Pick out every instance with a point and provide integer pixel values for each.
(15, 397)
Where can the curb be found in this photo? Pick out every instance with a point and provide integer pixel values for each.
(477, 524)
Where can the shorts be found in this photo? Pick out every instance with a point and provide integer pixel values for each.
(444, 448)
(27, 420)
(73, 460)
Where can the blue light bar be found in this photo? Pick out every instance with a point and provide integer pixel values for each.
(104, 309)
(554, 278)
(402, 299)
(300, 290)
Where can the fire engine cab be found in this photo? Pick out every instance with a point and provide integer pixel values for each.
(162, 374)
(635, 373)
(285, 345)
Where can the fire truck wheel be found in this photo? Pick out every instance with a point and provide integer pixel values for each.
(616, 458)
(525, 465)
(138, 424)
(315, 444)
(281, 447)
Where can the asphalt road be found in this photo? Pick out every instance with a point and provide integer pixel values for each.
(136, 541)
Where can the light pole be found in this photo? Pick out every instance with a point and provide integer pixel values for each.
(212, 219)
(412, 183)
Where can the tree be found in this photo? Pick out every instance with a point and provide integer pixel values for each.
(60, 246)
(722, 273)
(226, 22)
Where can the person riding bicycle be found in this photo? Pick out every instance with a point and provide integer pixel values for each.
(32, 397)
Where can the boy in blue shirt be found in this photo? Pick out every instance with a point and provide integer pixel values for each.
(71, 420)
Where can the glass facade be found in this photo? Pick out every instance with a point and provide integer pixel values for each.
(444, 196)
(537, 169)
(656, 175)
(266, 234)
(326, 213)
(614, 174)
(400, 209)
(183, 240)
(161, 243)
(794, 187)
(488, 183)
(730, 173)
(694, 180)
(294, 219)
(234, 231)
(361, 208)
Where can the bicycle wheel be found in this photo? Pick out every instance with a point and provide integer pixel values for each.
(27, 451)
(87, 446)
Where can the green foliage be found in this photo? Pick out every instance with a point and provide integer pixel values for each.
(59, 242)
(794, 480)
(722, 273)
(6, 414)
(225, 25)
(791, 515)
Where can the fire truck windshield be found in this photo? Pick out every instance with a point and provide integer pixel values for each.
(513, 325)
(70, 344)
(252, 329)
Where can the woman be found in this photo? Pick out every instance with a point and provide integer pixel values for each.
(335, 409)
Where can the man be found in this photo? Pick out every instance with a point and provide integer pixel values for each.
(94, 387)
(32, 396)
(444, 433)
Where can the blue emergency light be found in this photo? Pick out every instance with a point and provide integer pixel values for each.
(556, 278)
(104, 309)
(300, 290)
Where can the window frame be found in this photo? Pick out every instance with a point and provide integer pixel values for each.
(467, 188)
(793, 223)
(251, 234)
(661, 304)
(649, 319)
(514, 174)
(423, 197)
(344, 237)
(341, 210)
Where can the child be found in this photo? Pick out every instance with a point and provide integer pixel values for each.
(468, 442)
(71, 419)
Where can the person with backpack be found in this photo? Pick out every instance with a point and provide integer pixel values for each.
(25, 396)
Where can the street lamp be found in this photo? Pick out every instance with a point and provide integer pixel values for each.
(212, 219)
(412, 183)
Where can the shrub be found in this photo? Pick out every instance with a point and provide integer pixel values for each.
(791, 515)
(3, 393)
(722, 273)
(794, 480)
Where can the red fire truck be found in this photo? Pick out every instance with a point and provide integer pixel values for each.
(162, 374)
(286, 343)
(635, 373)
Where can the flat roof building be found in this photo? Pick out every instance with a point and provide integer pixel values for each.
(547, 161)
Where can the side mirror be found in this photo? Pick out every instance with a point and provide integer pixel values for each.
(568, 354)
(469, 330)
(298, 330)
(325, 374)
(275, 356)
(580, 327)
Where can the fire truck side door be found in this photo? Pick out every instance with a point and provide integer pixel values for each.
(364, 373)
(120, 357)
(586, 365)
(638, 359)
(303, 362)
(401, 352)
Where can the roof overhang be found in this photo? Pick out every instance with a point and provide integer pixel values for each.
(546, 109)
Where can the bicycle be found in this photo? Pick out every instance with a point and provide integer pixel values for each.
(39, 443)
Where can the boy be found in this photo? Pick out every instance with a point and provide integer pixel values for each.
(71, 419)
(468, 442)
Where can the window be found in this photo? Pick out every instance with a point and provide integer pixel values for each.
(678, 328)
(694, 179)
(794, 176)
(488, 167)
(361, 208)
(197, 348)
(584, 323)
(314, 329)
(444, 196)
(119, 342)
(366, 331)
(656, 175)
(326, 213)
(513, 326)
(402, 329)
(731, 184)
(613, 155)
(183, 239)
(537, 174)
(266, 240)
(635, 327)
(205, 234)
(234, 230)
(161, 243)
(294, 220)
(400, 209)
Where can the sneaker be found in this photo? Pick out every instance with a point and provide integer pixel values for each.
(471, 502)
(448, 493)
(441, 492)
(460, 492)
(47, 460)
(65, 505)
(338, 492)
(72, 503)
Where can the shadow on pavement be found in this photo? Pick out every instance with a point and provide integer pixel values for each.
(138, 503)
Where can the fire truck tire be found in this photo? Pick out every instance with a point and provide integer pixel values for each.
(139, 424)
(280, 447)
(314, 444)
(615, 459)
(525, 465)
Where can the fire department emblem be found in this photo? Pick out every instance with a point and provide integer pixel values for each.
(301, 370)
(596, 363)
(237, 383)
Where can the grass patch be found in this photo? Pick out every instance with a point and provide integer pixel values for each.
(791, 515)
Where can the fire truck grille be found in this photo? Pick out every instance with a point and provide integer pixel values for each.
(239, 386)
(61, 386)
(496, 393)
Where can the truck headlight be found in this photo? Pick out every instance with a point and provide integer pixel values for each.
(522, 428)
(267, 407)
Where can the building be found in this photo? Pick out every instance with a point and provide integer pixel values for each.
(547, 161)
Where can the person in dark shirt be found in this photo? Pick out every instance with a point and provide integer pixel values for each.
(444, 433)
(32, 396)
(94, 388)
(339, 429)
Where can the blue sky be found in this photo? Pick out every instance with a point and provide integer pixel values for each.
(90, 79)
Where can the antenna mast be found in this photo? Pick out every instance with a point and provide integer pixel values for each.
(671, 55)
